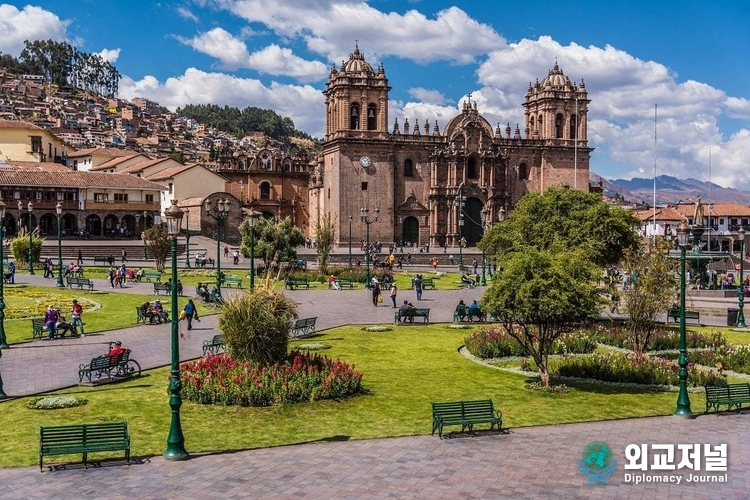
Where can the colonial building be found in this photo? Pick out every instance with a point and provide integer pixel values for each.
(432, 186)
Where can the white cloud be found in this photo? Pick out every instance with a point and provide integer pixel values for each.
(272, 60)
(31, 23)
(302, 103)
(430, 96)
(330, 27)
(110, 55)
(186, 13)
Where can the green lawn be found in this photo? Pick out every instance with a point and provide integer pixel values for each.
(112, 310)
(404, 370)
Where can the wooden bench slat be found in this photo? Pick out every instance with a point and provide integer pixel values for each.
(465, 414)
(84, 439)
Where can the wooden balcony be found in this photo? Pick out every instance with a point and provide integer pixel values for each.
(127, 206)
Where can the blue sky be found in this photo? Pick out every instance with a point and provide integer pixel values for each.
(688, 57)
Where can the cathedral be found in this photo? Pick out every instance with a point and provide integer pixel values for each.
(434, 187)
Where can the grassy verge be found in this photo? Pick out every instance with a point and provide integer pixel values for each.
(114, 311)
(404, 370)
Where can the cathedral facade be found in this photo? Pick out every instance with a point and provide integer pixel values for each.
(432, 186)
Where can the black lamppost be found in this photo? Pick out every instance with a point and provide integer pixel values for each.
(459, 204)
(683, 400)
(740, 286)
(58, 209)
(145, 226)
(350, 241)
(187, 239)
(175, 440)
(30, 207)
(485, 222)
(252, 220)
(363, 214)
(3, 339)
(220, 215)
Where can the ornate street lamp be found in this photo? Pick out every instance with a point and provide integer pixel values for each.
(364, 215)
(459, 204)
(740, 286)
(30, 207)
(58, 209)
(221, 212)
(187, 239)
(175, 440)
(350, 241)
(145, 224)
(3, 340)
(484, 214)
(683, 400)
(252, 220)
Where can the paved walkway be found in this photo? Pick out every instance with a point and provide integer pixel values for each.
(537, 462)
(533, 463)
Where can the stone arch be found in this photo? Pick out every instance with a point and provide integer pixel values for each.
(372, 114)
(523, 172)
(111, 224)
(408, 168)
(410, 230)
(573, 126)
(48, 224)
(264, 190)
(11, 228)
(472, 167)
(94, 225)
(130, 224)
(559, 127)
(69, 223)
(354, 116)
(25, 220)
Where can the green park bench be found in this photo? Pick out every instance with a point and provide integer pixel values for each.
(84, 439)
(459, 314)
(303, 327)
(344, 283)
(293, 283)
(141, 316)
(730, 395)
(675, 314)
(151, 275)
(104, 260)
(120, 367)
(465, 414)
(214, 346)
(411, 313)
(79, 282)
(428, 283)
(162, 287)
(39, 331)
(476, 313)
(233, 280)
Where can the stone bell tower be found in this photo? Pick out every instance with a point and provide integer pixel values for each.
(356, 100)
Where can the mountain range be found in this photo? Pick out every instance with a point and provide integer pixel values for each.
(640, 191)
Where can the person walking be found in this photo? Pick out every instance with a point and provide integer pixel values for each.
(124, 256)
(474, 265)
(75, 318)
(394, 292)
(418, 286)
(375, 293)
(80, 258)
(190, 313)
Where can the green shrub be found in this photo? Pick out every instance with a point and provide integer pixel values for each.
(256, 325)
(735, 358)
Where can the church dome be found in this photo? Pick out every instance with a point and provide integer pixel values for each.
(556, 79)
(356, 63)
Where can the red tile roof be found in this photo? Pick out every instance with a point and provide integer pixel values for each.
(35, 165)
(113, 152)
(19, 124)
(168, 173)
(19, 177)
(116, 161)
(140, 166)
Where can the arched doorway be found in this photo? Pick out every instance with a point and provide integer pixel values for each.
(25, 221)
(410, 232)
(48, 225)
(69, 224)
(129, 223)
(94, 225)
(110, 225)
(10, 225)
(472, 229)
(268, 215)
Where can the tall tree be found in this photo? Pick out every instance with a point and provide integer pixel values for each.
(561, 219)
(325, 235)
(650, 291)
(273, 241)
(157, 242)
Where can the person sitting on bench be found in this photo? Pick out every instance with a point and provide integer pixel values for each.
(117, 350)
(466, 280)
(63, 326)
(406, 306)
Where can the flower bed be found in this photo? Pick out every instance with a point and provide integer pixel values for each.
(631, 368)
(661, 339)
(735, 358)
(492, 342)
(54, 403)
(301, 378)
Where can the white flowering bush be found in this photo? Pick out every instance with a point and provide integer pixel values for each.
(55, 403)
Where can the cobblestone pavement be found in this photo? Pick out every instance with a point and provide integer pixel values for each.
(533, 463)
